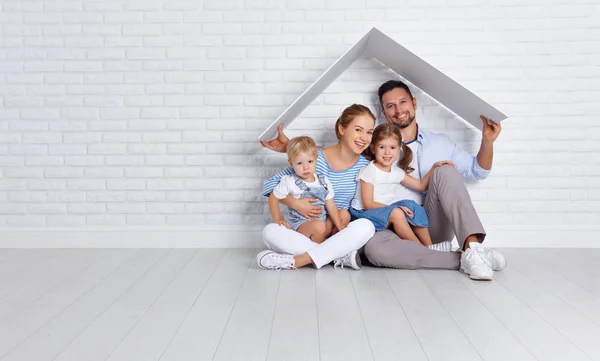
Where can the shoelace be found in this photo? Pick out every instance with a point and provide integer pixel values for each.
(280, 263)
(339, 263)
(481, 257)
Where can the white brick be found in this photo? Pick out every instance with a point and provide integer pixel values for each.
(119, 113)
(163, 17)
(63, 172)
(208, 208)
(67, 149)
(80, 113)
(128, 184)
(164, 160)
(147, 149)
(13, 208)
(187, 196)
(82, 18)
(45, 160)
(48, 208)
(104, 172)
(128, 137)
(46, 185)
(87, 208)
(187, 220)
(147, 124)
(65, 197)
(167, 137)
(187, 172)
(165, 184)
(144, 172)
(146, 219)
(65, 221)
(86, 185)
(12, 185)
(104, 196)
(143, 78)
(165, 208)
(107, 149)
(203, 160)
(129, 17)
(106, 220)
(146, 196)
(26, 220)
(23, 172)
(84, 160)
(28, 149)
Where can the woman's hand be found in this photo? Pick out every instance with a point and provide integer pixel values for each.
(278, 144)
(283, 222)
(443, 162)
(306, 209)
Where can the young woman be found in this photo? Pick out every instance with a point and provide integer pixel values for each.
(340, 163)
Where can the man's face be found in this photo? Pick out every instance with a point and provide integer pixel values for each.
(398, 107)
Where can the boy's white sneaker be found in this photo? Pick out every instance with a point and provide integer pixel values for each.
(351, 260)
(275, 261)
(475, 263)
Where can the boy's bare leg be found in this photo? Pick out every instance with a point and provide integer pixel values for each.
(315, 230)
(423, 234)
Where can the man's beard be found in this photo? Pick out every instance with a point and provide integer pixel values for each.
(405, 125)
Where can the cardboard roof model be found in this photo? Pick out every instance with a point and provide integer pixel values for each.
(440, 87)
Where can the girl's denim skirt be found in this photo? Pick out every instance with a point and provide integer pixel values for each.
(381, 216)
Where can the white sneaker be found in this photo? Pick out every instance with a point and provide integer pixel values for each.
(276, 261)
(351, 260)
(495, 259)
(474, 263)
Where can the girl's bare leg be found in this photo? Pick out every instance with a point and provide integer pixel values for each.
(315, 230)
(423, 235)
(401, 226)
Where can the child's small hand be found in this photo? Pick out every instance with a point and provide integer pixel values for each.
(284, 223)
(408, 211)
(443, 162)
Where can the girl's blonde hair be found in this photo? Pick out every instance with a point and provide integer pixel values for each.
(348, 116)
(385, 131)
(301, 144)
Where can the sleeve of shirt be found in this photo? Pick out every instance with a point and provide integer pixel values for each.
(283, 188)
(331, 194)
(274, 180)
(367, 174)
(465, 163)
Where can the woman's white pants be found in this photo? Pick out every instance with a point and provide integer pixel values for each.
(283, 240)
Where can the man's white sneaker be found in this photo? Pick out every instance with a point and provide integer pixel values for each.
(273, 260)
(495, 259)
(351, 260)
(474, 263)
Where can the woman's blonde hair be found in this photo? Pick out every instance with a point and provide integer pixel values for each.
(348, 116)
(301, 144)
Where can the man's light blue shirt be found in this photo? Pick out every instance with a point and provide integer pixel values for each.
(435, 147)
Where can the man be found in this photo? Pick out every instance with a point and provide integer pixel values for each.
(447, 202)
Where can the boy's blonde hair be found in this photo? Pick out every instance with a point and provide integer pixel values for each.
(301, 144)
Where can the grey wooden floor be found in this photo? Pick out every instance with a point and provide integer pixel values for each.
(211, 304)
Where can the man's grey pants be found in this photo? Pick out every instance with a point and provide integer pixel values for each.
(450, 211)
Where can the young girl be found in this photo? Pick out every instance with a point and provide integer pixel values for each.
(379, 196)
(305, 183)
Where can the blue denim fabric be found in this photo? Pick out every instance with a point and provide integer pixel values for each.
(381, 216)
(295, 219)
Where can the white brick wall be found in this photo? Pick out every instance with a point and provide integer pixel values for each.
(146, 113)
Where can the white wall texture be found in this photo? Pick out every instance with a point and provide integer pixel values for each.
(136, 122)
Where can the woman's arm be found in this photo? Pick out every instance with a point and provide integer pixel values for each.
(303, 206)
(334, 214)
(366, 193)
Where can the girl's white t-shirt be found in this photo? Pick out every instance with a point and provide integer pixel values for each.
(386, 185)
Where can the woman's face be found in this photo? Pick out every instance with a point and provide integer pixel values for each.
(357, 135)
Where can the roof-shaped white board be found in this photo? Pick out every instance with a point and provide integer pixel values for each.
(376, 44)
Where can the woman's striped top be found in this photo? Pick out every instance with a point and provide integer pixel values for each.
(344, 182)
